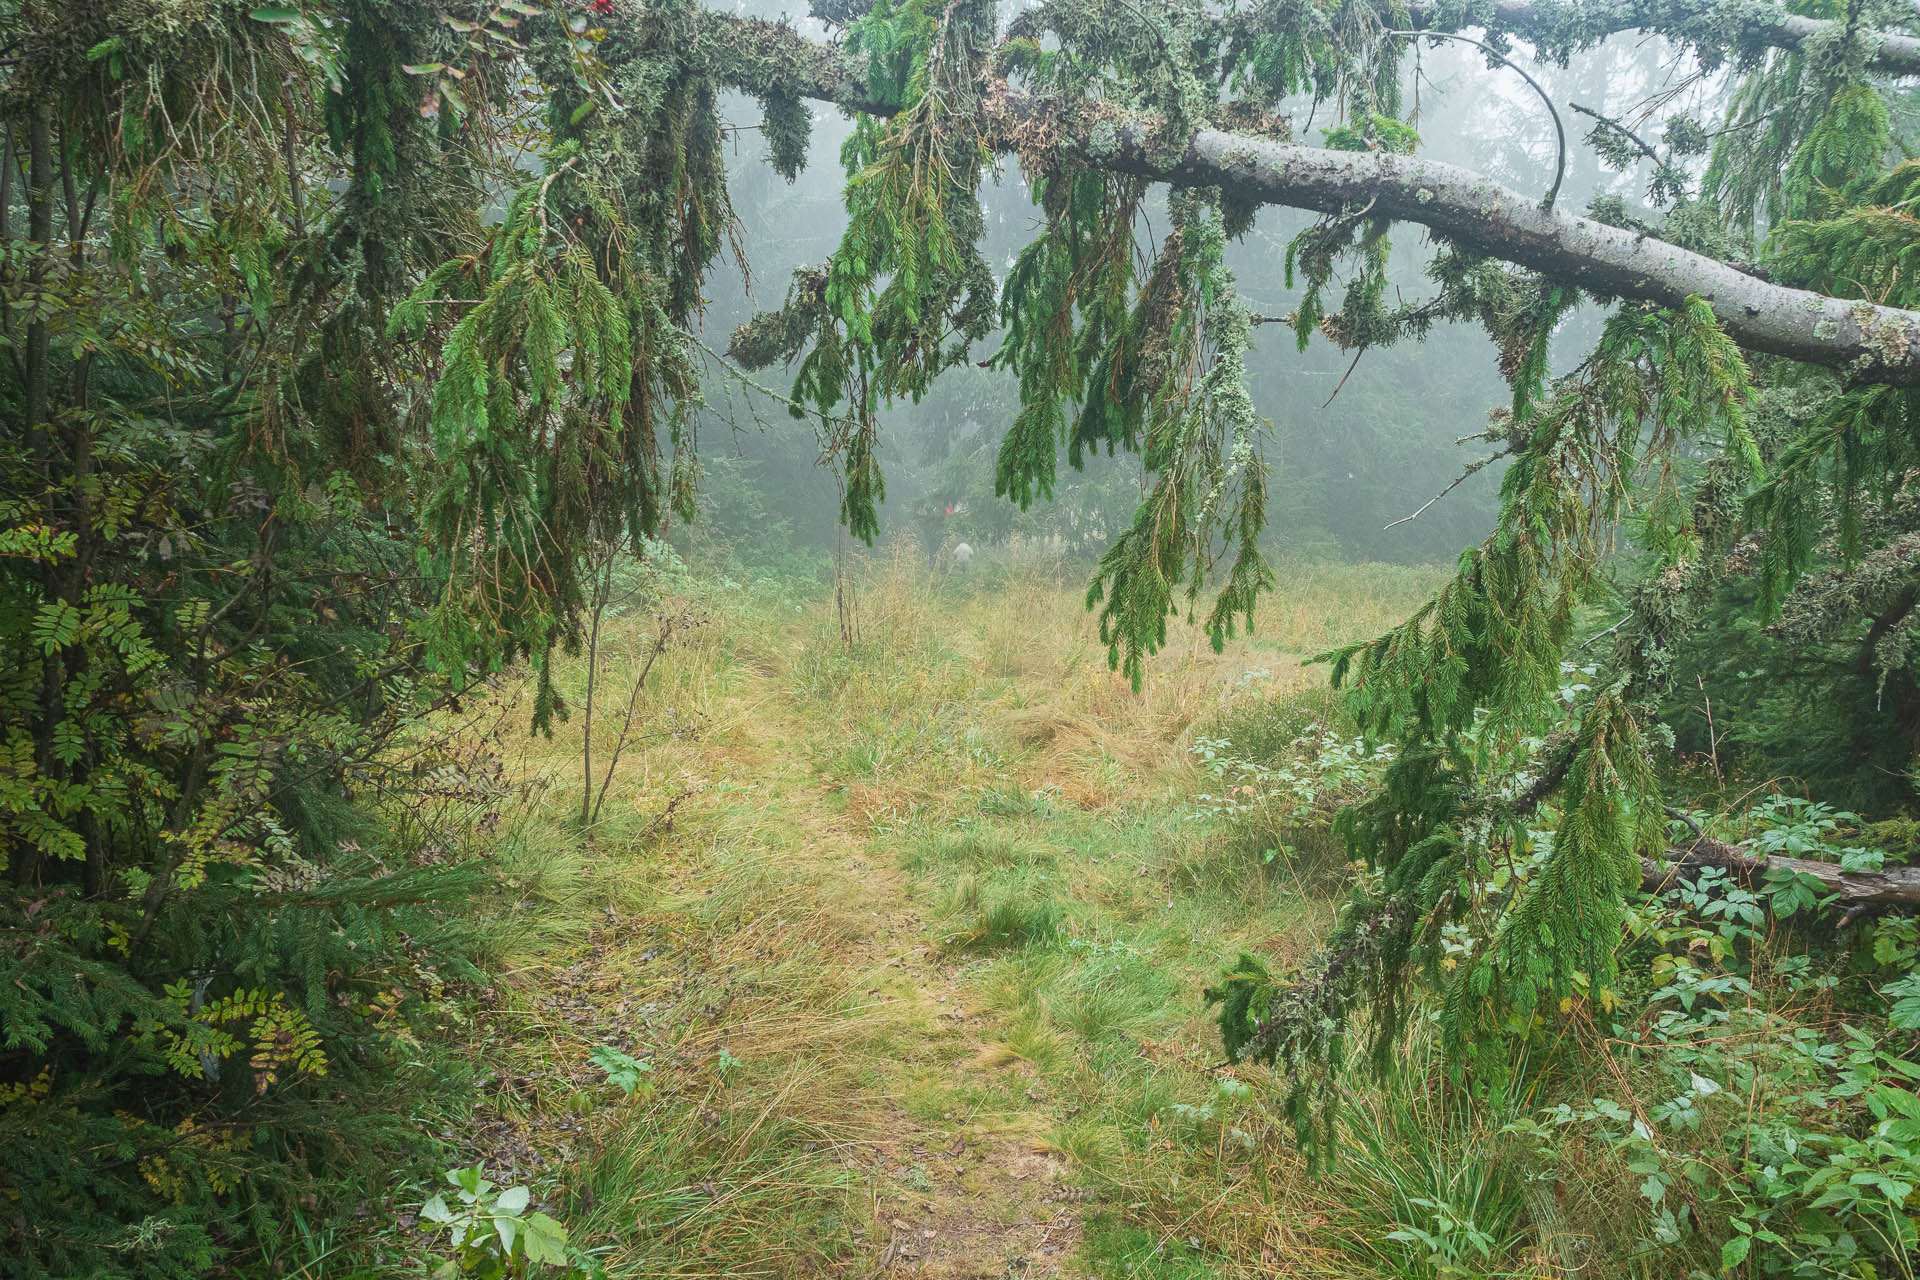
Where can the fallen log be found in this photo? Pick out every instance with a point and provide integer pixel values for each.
(1857, 893)
(1867, 342)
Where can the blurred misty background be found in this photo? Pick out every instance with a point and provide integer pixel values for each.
(1354, 446)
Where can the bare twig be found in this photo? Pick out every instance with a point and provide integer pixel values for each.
(602, 591)
(660, 638)
(1682, 816)
(1559, 131)
(1343, 377)
(1628, 134)
(1458, 480)
(1601, 635)
(1713, 735)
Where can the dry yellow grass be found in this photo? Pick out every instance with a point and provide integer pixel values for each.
(938, 896)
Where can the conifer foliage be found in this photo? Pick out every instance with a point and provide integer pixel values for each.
(300, 446)
(339, 334)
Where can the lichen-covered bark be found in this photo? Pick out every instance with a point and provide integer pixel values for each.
(759, 57)
(1868, 343)
(1748, 26)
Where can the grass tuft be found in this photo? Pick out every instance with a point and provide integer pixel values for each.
(998, 916)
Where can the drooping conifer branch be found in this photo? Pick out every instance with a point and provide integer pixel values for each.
(1748, 27)
(1871, 344)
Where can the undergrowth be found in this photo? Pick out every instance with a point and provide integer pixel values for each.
(903, 922)
(967, 733)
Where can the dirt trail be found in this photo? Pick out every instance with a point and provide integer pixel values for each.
(965, 1196)
(913, 937)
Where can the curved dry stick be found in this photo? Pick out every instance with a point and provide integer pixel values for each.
(1343, 377)
(1559, 131)
(660, 639)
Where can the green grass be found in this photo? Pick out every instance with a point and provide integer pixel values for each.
(944, 903)
(1264, 725)
(1095, 926)
(1116, 1249)
(973, 742)
(1008, 912)
(1431, 1162)
(978, 846)
(710, 1184)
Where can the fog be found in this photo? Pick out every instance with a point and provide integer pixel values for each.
(1354, 445)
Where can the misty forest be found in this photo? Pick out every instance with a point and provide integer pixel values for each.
(978, 639)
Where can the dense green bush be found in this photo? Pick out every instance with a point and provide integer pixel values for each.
(244, 554)
(1279, 769)
(1754, 1081)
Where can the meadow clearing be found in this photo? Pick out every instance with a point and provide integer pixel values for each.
(912, 933)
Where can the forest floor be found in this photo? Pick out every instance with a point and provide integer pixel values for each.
(912, 931)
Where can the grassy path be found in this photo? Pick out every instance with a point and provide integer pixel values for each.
(912, 933)
(957, 1192)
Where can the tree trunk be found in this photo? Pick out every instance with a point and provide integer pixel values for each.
(1855, 892)
(40, 234)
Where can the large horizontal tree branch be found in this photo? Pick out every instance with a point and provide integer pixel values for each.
(1869, 343)
(1855, 892)
(1559, 26)
(1752, 24)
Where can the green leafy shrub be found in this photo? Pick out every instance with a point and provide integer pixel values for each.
(1815, 1180)
(1280, 800)
(1773, 1127)
(240, 566)
(492, 1235)
(624, 1071)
